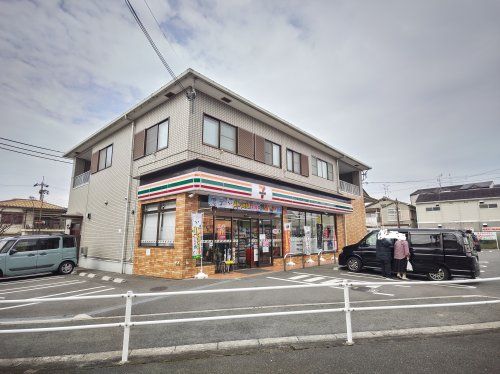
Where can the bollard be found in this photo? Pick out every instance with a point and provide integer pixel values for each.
(347, 306)
(126, 327)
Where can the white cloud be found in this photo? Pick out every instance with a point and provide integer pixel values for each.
(411, 88)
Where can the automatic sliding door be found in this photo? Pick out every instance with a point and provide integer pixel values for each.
(265, 243)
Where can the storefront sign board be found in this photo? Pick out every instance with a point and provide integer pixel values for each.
(491, 228)
(237, 204)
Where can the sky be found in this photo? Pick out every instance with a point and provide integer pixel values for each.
(411, 88)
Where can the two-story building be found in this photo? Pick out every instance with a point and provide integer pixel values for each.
(465, 206)
(384, 213)
(194, 146)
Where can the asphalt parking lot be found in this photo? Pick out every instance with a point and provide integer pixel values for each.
(31, 314)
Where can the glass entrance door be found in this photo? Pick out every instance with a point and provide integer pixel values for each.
(265, 242)
(243, 248)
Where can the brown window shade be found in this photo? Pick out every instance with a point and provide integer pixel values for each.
(304, 165)
(139, 139)
(94, 163)
(245, 143)
(260, 153)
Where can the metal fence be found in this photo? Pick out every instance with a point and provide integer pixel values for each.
(347, 309)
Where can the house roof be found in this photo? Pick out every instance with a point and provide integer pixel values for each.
(30, 204)
(456, 187)
(386, 199)
(198, 81)
(469, 194)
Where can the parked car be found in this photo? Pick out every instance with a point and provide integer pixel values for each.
(23, 255)
(437, 253)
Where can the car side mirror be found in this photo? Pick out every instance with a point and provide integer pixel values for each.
(12, 252)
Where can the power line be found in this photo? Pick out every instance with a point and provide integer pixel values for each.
(158, 24)
(29, 154)
(29, 150)
(31, 145)
(152, 43)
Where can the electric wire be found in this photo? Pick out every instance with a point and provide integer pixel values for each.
(152, 43)
(32, 155)
(31, 145)
(29, 150)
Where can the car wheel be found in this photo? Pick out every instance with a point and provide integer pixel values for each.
(66, 268)
(354, 264)
(440, 275)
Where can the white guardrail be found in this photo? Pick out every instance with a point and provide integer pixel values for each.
(347, 309)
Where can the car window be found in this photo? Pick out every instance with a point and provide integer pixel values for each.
(426, 240)
(5, 245)
(69, 242)
(371, 240)
(450, 241)
(26, 245)
(49, 243)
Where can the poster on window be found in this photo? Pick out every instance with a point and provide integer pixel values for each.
(196, 233)
(307, 239)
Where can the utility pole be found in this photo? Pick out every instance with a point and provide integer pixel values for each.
(397, 213)
(42, 192)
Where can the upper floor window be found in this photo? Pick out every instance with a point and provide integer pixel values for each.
(322, 168)
(432, 208)
(105, 157)
(272, 153)
(293, 161)
(486, 206)
(156, 137)
(219, 134)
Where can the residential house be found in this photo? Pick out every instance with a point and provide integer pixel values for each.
(463, 206)
(384, 213)
(26, 216)
(265, 187)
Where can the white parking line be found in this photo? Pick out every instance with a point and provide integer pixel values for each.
(41, 287)
(13, 282)
(297, 281)
(299, 277)
(57, 294)
(315, 279)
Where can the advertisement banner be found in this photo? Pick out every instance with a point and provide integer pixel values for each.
(236, 204)
(196, 233)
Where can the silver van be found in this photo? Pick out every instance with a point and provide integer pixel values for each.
(23, 255)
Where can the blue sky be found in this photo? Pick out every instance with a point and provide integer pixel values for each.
(411, 88)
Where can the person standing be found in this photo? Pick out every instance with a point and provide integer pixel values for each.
(401, 255)
(384, 253)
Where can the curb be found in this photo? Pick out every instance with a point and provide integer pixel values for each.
(180, 350)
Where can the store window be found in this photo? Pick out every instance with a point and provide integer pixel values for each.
(329, 237)
(158, 224)
(313, 221)
(208, 237)
(297, 222)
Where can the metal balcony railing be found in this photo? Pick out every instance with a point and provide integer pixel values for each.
(81, 179)
(349, 188)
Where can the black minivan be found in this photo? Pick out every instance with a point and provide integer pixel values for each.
(437, 253)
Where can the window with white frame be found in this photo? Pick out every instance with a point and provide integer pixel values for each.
(272, 153)
(158, 224)
(219, 134)
(105, 157)
(156, 137)
(322, 168)
(483, 205)
(293, 161)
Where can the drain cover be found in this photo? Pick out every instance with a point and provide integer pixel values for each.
(158, 289)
